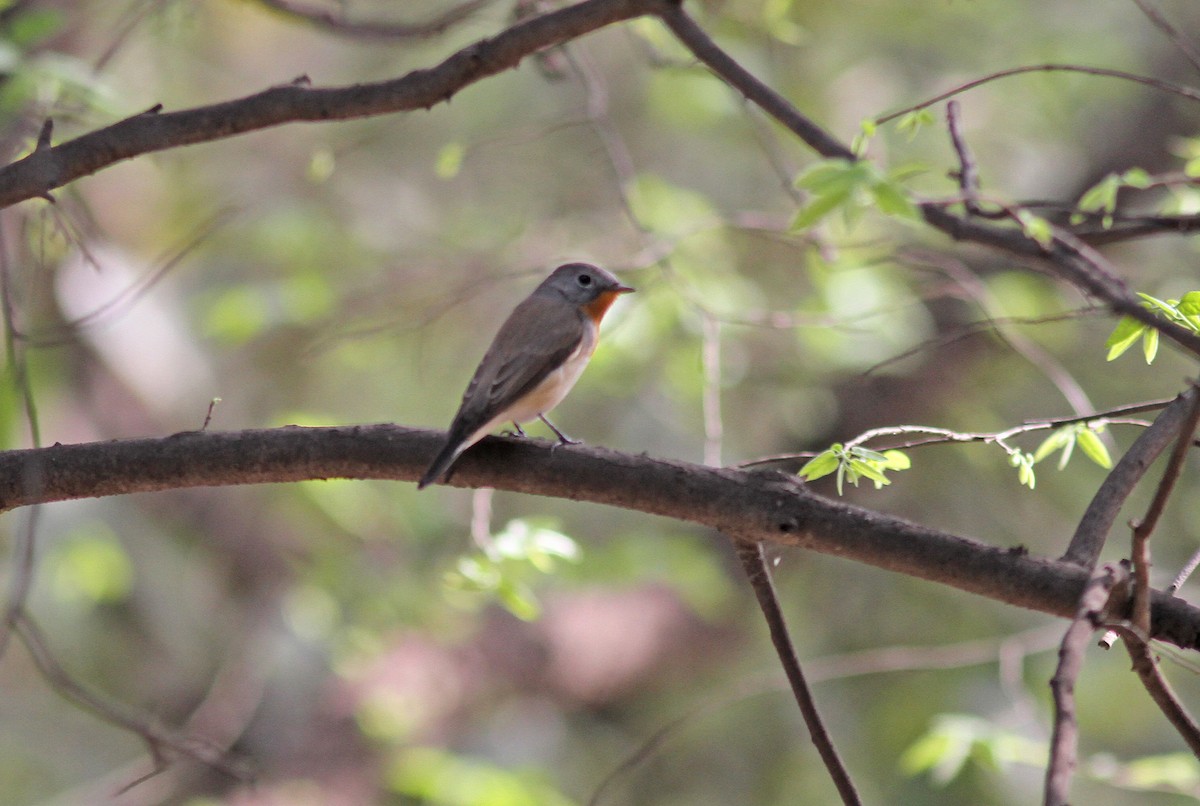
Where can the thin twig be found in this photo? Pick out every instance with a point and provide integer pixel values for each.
(157, 738)
(1159, 84)
(1184, 573)
(1065, 737)
(1148, 671)
(945, 436)
(1181, 42)
(758, 571)
(880, 660)
(711, 360)
(33, 476)
(968, 171)
(1142, 529)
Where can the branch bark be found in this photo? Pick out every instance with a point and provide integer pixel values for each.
(749, 506)
(48, 168)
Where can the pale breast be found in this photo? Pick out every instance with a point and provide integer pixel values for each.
(547, 394)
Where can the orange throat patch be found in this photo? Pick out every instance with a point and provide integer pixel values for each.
(600, 305)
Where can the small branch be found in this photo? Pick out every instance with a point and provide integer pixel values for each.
(968, 171)
(360, 29)
(1065, 737)
(157, 738)
(1146, 666)
(1184, 573)
(1181, 42)
(1158, 84)
(758, 571)
(880, 660)
(946, 436)
(1098, 519)
(1140, 552)
(49, 168)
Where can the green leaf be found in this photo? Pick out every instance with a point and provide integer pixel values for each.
(892, 200)
(1057, 440)
(820, 465)
(1137, 178)
(868, 470)
(819, 207)
(896, 460)
(449, 160)
(1189, 307)
(1036, 227)
(1093, 448)
(1150, 344)
(1123, 336)
(1101, 196)
(859, 452)
(830, 175)
(1164, 306)
(912, 122)
(1068, 449)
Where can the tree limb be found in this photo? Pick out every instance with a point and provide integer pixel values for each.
(1097, 520)
(48, 168)
(759, 506)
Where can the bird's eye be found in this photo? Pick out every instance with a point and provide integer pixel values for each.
(584, 280)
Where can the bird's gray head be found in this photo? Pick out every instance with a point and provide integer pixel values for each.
(581, 283)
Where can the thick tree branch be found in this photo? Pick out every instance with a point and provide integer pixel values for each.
(759, 506)
(49, 168)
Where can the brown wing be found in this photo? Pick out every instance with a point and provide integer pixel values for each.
(537, 337)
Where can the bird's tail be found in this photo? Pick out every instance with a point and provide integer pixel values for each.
(441, 465)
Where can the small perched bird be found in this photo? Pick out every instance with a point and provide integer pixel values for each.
(535, 359)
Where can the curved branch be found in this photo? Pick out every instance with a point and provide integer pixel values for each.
(1097, 521)
(1156, 83)
(48, 168)
(759, 506)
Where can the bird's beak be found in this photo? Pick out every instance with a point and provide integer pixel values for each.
(623, 289)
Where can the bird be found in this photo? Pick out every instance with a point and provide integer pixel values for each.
(536, 357)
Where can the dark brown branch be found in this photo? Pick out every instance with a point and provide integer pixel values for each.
(1144, 662)
(48, 168)
(375, 29)
(1064, 740)
(1097, 521)
(1142, 529)
(758, 571)
(1067, 256)
(749, 506)
(968, 171)
(1146, 666)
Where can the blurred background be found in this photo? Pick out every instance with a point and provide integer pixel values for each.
(358, 642)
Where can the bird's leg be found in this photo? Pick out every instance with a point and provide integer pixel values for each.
(562, 438)
(519, 431)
